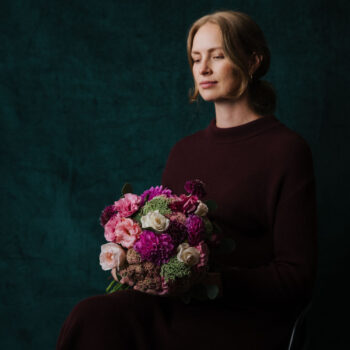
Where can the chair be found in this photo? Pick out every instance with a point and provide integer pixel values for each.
(299, 339)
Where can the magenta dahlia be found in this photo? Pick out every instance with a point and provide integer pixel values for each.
(157, 248)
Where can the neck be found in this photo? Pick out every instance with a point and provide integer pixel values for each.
(234, 113)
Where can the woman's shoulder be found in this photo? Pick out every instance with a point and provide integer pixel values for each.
(189, 141)
(289, 147)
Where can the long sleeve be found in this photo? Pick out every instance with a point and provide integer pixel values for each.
(290, 276)
(266, 184)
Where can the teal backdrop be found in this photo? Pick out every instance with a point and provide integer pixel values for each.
(93, 94)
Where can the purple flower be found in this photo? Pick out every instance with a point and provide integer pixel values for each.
(157, 248)
(153, 192)
(106, 214)
(195, 228)
(195, 187)
(177, 231)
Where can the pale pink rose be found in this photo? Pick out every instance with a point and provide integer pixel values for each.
(112, 256)
(127, 205)
(110, 227)
(127, 232)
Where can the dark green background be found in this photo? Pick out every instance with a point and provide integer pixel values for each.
(94, 94)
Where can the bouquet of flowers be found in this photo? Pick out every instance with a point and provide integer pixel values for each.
(160, 241)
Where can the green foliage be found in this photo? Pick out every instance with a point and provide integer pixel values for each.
(157, 203)
(174, 269)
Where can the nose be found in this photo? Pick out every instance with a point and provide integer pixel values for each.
(204, 67)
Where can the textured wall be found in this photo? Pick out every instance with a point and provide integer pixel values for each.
(94, 94)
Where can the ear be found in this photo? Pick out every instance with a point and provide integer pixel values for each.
(255, 62)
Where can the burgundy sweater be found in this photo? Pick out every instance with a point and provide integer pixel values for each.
(261, 176)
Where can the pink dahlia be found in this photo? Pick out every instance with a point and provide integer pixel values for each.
(195, 228)
(157, 248)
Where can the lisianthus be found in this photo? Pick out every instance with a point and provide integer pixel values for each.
(157, 248)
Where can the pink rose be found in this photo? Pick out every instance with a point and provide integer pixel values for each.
(127, 205)
(112, 256)
(110, 227)
(127, 232)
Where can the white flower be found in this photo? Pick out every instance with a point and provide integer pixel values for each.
(112, 255)
(155, 220)
(188, 255)
(202, 209)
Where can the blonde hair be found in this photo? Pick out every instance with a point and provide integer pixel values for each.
(242, 41)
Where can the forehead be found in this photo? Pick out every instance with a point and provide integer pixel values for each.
(207, 38)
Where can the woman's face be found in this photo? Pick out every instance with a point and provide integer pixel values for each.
(211, 64)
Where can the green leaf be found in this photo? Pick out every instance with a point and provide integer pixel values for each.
(211, 205)
(212, 291)
(127, 188)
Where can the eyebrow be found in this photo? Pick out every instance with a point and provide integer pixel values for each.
(209, 50)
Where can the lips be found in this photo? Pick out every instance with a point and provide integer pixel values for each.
(207, 84)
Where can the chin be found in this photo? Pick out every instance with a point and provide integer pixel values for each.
(210, 97)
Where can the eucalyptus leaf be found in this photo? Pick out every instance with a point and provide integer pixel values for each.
(212, 291)
(127, 188)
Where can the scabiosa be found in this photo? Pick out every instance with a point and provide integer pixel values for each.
(153, 192)
(157, 248)
(195, 228)
(195, 187)
(106, 214)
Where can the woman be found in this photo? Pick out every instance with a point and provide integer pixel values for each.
(261, 175)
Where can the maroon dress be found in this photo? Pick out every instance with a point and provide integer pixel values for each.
(261, 176)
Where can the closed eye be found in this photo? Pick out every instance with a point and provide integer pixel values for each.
(195, 61)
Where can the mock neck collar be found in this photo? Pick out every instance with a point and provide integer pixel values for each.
(240, 132)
